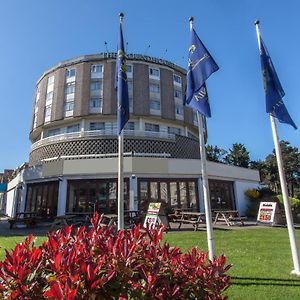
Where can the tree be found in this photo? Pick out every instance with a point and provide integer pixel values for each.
(291, 163)
(238, 156)
(216, 154)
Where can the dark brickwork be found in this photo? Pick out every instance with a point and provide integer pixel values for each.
(141, 90)
(181, 147)
(167, 94)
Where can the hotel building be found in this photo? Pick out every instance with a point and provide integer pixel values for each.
(73, 157)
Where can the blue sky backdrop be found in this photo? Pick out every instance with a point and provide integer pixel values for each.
(35, 35)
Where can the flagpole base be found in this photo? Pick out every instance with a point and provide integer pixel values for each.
(295, 273)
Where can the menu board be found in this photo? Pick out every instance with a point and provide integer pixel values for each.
(266, 212)
(152, 215)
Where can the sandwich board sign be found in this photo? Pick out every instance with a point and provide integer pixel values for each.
(155, 215)
(269, 213)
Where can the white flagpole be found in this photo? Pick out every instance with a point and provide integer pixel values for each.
(120, 171)
(208, 217)
(283, 184)
(120, 185)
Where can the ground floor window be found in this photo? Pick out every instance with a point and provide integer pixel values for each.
(92, 195)
(221, 194)
(41, 198)
(174, 193)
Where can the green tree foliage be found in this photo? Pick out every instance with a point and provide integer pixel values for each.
(216, 154)
(238, 156)
(291, 162)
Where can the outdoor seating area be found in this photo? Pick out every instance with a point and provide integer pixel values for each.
(230, 217)
(178, 217)
(187, 217)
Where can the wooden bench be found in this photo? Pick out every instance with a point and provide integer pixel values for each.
(28, 219)
(230, 217)
(193, 218)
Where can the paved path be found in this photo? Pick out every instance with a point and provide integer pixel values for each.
(42, 229)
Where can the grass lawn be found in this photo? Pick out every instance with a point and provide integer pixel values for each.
(261, 259)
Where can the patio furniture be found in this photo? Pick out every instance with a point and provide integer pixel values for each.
(230, 217)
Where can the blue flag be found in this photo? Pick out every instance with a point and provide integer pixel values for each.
(200, 102)
(273, 89)
(121, 85)
(200, 66)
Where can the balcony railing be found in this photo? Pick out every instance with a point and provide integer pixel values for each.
(100, 133)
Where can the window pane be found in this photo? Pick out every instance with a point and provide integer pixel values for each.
(177, 78)
(192, 196)
(153, 191)
(183, 194)
(96, 68)
(73, 128)
(97, 126)
(154, 88)
(154, 104)
(164, 191)
(173, 191)
(70, 73)
(151, 127)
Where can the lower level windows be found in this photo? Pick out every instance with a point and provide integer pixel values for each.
(97, 126)
(42, 198)
(151, 127)
(95, 195)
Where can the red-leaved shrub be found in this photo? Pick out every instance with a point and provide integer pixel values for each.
(100, 263)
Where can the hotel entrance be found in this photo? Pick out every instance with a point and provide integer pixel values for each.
(221, 195)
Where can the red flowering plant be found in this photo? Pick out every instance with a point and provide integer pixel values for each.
(101, 263)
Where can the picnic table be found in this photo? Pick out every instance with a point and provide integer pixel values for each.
(230, 217)
(189, 217)
(26, 219)
(74, 218)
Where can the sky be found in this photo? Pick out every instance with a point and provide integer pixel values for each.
(36, 35)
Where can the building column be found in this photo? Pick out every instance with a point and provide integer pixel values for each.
(62, 197)
(133, 201)
(201, 194)
(23, 197)
(82, 127)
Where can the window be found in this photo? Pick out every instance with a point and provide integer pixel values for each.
(174, 130)
(48, 111)
(50, 80)
(73, 128)
(154, 72)
(34, 120)
(70, 73)
(179, 110)
(151, 127)
(70, 88)
(95, 103)
(53, 132)
(155, 104)
(177, 94)
(130, 86)
(130, 126)
(69, 106)
(97, 126)
(97, 68)
(129, 68)
(154, 88)
(177, 79)
(192, 135)
(96, 85)
(49, 96)
(37, 97)
(195, 119)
